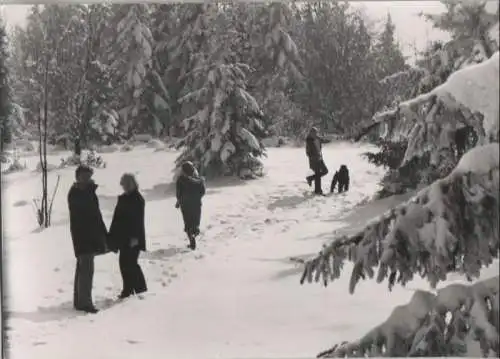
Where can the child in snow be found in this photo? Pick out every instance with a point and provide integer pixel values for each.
(190, 189)
(341, 178)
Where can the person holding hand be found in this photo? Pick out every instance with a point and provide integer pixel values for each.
(127, 234)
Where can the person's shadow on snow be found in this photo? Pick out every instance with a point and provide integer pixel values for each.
(59, 312)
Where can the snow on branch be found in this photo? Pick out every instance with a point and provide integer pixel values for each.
(475, 87)
(452, 225)
(421, 328)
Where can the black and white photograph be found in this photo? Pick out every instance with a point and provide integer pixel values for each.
(236, 180)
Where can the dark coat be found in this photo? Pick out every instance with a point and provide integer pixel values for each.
(190, 191)
(313, 148)
(88, 230)
(341, 178)
(128, 221)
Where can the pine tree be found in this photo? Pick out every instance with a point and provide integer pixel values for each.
(334, 91)
(187, 49)
(133, 38)
(5, 92)
(389, 57)
(452, 225)
(222, 126)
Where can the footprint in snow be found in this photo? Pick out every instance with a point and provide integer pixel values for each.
(130, 341)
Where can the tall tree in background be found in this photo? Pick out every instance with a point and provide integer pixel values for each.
(223, 121)
(335, 46)
(388, 54)
(5, 92)
(133, 38)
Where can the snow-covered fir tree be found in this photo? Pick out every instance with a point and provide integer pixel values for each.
(452, 225)
(223, 126)
(133, 38)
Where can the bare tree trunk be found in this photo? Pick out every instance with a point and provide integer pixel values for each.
(44, 144)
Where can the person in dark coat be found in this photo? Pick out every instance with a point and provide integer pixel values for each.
(341, 178)
(88, 233)
(127, 235)
(316, 163)
(190, 188)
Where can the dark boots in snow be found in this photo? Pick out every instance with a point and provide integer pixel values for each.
(192, 241)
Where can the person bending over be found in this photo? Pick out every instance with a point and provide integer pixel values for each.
(341, 178)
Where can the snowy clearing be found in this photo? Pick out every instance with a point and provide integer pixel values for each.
(237, 296)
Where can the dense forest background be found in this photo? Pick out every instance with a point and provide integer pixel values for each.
(112, 71)
(221, 77)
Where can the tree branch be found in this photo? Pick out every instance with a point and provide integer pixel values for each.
(419, 328)
(451, 225)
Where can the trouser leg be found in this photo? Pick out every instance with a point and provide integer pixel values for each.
(319, 172)
(76, 303)
(137, 276)
(83, 281)
(125, 271)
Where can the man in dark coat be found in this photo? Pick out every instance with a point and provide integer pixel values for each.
(190, 190)
(88, 233)
(316, 163)
(128, 235)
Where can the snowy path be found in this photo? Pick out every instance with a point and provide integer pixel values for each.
(237, 296)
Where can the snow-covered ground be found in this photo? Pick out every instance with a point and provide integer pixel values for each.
(237, 296)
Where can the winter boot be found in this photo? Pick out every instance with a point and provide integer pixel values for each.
(192, 242)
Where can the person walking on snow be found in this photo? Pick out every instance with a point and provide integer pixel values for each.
(88, 233)
(190, 189)
(128, 235)
(316, 163)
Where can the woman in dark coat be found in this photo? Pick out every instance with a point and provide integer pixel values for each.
(190, 188)
(127, 234)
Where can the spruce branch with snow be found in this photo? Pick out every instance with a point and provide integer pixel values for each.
(433, 325)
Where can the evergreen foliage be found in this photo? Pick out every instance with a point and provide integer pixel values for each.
(469, 25)
(5, 92)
